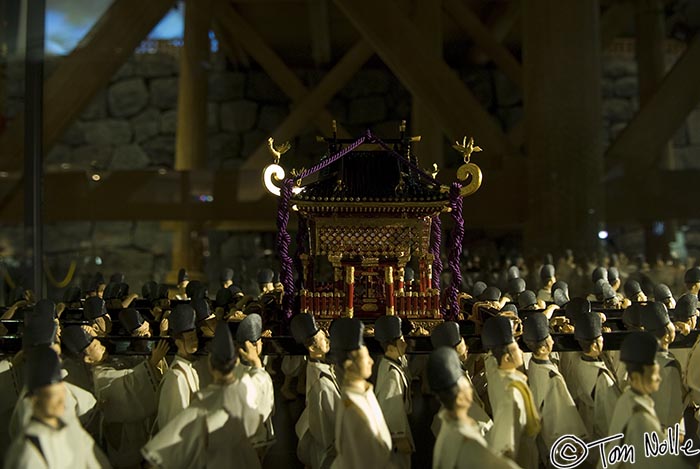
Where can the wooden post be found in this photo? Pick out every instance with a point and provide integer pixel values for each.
(563, 124)
(427, 17)
(651, 64)
(191, 137)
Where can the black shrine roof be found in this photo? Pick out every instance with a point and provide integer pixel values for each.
(371, 176)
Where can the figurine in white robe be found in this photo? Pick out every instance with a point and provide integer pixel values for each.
(596, 389)
(216, 429)
(249, 334)
(181, 381)
(393, 388)
(362, 438)
(459, 444)
(447, 334)
(48, 441)
(634, 415)
(549, 391)
(126, 397)
(516, 422)
(669, 400)
(315, 428)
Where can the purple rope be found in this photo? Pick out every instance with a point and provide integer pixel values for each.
(283, 242)
(435, 242)
(332, 159)
(455, 249)
(301, 246)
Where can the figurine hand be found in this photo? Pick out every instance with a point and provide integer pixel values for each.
(159, 352)
(60, 308)
(163, 327)
(250, 354)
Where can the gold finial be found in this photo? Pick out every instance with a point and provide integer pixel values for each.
(334, 126)
(434, 172)
(466, 148)
(278, 151)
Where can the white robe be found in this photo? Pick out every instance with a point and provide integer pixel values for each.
(669, 401)
(362, 439)
(179, 384)
(508, 434)
(265, 435)
(214, 431)
(555, 405)
(68, 447)
(316, 426)
(595, 394)
(11, 384)
(692, 373)
(393, 393)
(461, 446)
(634, 415)
(128, 399)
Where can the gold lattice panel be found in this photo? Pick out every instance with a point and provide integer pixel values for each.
(373, 239)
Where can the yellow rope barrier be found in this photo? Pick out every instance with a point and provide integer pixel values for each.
(68, 278)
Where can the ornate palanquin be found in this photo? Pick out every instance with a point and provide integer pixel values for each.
(371, 212)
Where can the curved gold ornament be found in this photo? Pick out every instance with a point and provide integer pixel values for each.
(468, 171)
(464, 173)
(274, 174)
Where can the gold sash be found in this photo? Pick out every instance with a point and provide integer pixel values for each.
(532, 427)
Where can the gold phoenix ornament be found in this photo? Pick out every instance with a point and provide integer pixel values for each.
(468, 168)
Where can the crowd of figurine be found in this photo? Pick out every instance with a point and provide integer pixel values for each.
(67, 404)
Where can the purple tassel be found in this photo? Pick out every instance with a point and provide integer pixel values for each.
(283, 242)
(455, 249)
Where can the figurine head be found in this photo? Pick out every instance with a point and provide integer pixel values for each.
(655, 320)
(638, 352)
(692, 280)
(306, 332)
(182, 328)
(448, 381)
(223, 356)
(45, 384)
(497, 336)
(387, 330)
(349, 350)
(80, 343)
(447, 334)
(537, 337)
(588, 331)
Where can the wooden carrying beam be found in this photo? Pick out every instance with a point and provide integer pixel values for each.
(664, 112)
(395, 39)
(85, 71)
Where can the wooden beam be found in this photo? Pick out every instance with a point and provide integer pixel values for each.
(563, 124)
(502, 23)
(235, 27)
(85, 71)
(427, 17)
(73, 196)
(656, 122)
(174, 196)
(483, 38)
(427, 77)
(614, 21)
(191, 135)
(310, 105)
(319, 28)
